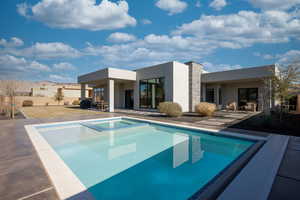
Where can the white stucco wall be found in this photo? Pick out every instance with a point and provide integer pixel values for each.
(107, 73)
(181, 85)
(122, 74)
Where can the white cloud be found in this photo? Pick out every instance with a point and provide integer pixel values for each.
(14, 67)
(9, 62)
(44, 51)
(146, 21)
(79, 14)
(172, 6)
(218, 4)
(274, 4)
(38, 66)
(264, 56)
(210, 67)
(22, 9)
(268, 56)
(64, 66)
(121, 37)
(284, 58)
(152, 49)
(244, 28)
(60, 78)
(289, 57)
(13, 42)
(195, 40)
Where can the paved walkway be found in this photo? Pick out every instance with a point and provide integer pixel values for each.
(287, 182)
(22, 175)
(220, 119)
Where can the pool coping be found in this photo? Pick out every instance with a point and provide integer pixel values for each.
(65, 181)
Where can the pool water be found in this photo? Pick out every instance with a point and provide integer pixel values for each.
(143, 162)
(115, 124)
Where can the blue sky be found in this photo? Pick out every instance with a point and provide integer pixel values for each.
(60, 39)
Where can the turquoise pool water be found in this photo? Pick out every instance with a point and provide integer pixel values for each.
(142, 162)
(116, 124)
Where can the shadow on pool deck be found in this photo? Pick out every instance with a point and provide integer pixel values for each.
(22, 175)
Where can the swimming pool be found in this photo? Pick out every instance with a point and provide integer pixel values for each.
(123, 158)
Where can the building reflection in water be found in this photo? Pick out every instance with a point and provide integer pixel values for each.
(197, 152)
(182, 148)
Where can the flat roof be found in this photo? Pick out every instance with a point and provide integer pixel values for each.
(107, 73)
(239, 74)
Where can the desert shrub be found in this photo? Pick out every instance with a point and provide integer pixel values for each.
(76, 102)
(46, 104)
(85, 104)
(27, 103)
(66, 103)
(206, 109)
(171, 109)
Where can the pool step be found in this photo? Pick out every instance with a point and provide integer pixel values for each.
(100, 129)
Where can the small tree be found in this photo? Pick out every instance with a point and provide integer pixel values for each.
(59, 96)
(9, 89)
(283, 80)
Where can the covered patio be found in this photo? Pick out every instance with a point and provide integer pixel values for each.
(248, 89)
(110, 85)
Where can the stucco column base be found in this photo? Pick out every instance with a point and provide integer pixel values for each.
(111, 97)
(298, 103)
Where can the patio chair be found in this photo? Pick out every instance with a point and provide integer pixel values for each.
(102, 105)
(231, 106)
(105, 106)
(250, 107)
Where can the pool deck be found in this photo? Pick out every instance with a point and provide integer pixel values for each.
(23, 177)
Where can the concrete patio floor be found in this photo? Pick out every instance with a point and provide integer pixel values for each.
(22, 176)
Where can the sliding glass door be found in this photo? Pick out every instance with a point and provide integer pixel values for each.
(151, 93)
(247, 95)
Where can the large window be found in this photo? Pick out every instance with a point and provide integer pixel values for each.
(210, 95)
(98, 94)
(247, 95)
(151, 92)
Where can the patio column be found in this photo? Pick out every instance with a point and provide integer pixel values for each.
(204, 92)
(217, 95)
(83, 91)
(298, 103)
(111, 98)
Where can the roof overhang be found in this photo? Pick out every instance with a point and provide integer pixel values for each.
(108, 73)
(239, 74)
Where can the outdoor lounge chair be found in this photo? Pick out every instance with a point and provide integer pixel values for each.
(250, 107)
(231, 106)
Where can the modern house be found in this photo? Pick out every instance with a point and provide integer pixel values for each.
(184, 83)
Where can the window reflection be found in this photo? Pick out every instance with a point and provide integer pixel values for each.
(151, 92)
(197, 152)
(98, 94)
